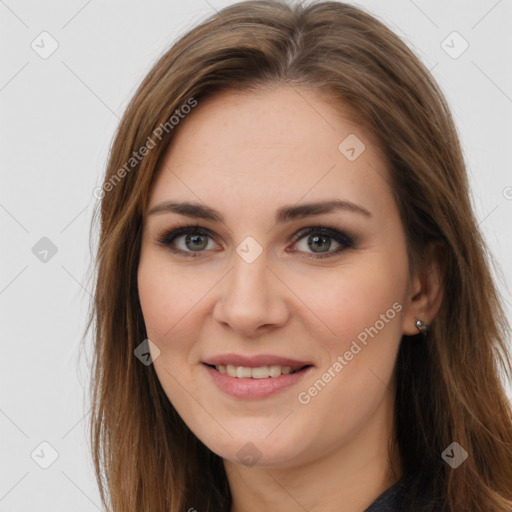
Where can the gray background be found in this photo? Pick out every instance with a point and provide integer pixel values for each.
(58, 116)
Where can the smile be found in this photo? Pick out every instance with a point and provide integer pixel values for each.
(258, 382)
(261, 372)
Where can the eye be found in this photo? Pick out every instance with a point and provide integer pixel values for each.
(195, 240)
(318, 239)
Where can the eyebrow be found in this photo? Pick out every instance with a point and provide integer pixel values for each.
(282, 215)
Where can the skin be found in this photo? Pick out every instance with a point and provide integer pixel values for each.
(247, 155)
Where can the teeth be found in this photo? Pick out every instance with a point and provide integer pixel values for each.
(262, 372)
(243, 372)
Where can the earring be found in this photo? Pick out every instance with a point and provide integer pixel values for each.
(423, 327)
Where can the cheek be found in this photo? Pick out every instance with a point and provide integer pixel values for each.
(363, 310)
(165, 297)
(350, 299)
(154, 300)
(165, 307)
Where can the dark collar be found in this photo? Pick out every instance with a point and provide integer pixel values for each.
(391, 499)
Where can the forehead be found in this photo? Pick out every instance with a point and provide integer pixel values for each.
(275, 145)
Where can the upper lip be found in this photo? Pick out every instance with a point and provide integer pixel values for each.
(255, 361)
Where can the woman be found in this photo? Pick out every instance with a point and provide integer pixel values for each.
(241, 365)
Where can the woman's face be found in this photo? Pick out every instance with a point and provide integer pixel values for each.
(258, 292)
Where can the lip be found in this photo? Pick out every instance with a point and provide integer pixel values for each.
(249, 388)
(255, 361)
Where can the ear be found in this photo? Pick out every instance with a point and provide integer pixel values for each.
(426, 289)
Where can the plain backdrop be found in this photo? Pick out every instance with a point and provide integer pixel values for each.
(57, 119)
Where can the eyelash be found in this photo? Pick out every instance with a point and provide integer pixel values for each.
(166, 238)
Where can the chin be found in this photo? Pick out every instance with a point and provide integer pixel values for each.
(258, 450)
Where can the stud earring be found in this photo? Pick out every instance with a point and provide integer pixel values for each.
(423, 327)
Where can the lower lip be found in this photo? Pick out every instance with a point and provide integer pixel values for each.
(254, 388)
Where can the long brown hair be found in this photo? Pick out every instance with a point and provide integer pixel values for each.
(448, 385)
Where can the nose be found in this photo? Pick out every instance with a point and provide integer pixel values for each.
(252, 299)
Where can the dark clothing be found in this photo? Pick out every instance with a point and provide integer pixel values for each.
(389, 500)
(392, 499)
